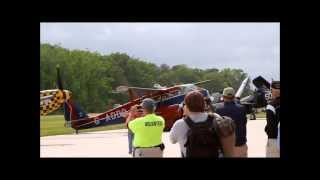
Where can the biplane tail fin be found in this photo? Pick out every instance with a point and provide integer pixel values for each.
(73, 111)
(262, 94)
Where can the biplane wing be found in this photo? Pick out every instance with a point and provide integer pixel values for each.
(201, 82)
(137, 92)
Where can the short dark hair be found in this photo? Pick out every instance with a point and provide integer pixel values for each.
(230, 98)
(194, 101)
(149, 105)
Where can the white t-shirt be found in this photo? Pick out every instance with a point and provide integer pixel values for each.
(179, 129)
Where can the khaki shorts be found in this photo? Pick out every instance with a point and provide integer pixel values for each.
(147, 152)
(272, 149)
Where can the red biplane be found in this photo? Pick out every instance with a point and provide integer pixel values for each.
(167, 101)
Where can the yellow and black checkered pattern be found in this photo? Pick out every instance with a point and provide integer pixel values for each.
(54, 102)
(48, 92)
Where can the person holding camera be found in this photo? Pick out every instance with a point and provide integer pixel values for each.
(148, 132)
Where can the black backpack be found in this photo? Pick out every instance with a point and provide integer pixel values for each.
(202, 138)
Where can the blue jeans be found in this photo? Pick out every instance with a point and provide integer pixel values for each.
(130, 139)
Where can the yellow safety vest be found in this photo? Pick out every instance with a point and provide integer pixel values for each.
(147, 130)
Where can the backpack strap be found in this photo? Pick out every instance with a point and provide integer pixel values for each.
(210, 120)
(214, 121)
(189, 122)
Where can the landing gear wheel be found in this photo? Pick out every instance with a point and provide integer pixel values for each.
(253, 116)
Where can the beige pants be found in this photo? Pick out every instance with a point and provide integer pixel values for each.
(148, 152)
(271, 148)
(241, 151)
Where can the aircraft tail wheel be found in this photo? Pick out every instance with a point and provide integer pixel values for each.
(252, 117)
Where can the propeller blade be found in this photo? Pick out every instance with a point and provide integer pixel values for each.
(59, 82)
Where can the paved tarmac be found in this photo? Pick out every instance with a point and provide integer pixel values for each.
(114, 143)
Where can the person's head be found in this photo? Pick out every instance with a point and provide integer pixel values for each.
(136, 111)
(148, 105)
(194, 102)
(228, 94)
(275, 89)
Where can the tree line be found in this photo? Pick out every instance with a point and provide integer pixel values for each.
(93, 77)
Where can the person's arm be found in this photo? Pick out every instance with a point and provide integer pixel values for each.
(130, 117)
(226, 131)
(133, 125)
(270, 114)
(243, 126)
(227, 144)
(173, 134)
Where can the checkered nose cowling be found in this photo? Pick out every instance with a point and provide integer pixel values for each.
(51, 100)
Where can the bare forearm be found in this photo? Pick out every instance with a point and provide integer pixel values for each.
(228, 144)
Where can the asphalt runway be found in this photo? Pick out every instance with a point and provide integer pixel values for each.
(114, 143)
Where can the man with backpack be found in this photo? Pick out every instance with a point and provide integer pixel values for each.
(201, 134)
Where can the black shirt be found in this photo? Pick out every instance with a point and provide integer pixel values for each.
(236, 112)
(273, 118)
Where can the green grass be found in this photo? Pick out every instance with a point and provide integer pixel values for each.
(54, 125)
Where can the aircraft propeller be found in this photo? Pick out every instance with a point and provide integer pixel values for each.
(59, 81)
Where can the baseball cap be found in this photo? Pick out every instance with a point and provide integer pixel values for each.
(229, 91)
(148, 104)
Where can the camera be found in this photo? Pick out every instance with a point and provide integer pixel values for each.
(139, 109)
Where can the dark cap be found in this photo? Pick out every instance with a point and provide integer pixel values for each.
(275, 84)
(148, 104)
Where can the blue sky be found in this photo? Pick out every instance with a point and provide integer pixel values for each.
(253, 47)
